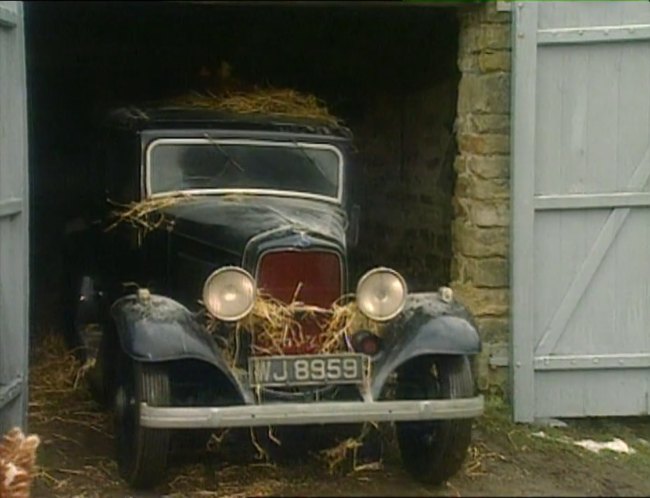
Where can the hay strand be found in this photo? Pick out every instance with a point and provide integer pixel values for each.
(268, 101)
(57, 393)
(276, 327)
(334, 457)
(347, 451)
(146, 215)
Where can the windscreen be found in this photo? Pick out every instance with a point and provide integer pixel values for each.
(207, 164)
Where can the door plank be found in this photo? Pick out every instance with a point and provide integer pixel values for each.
(596, 255)
(523, 212)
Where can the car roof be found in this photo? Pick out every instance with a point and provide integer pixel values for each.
(144, 118)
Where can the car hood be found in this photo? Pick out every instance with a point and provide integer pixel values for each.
(231, 223)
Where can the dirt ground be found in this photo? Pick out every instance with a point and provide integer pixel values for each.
(75, 456)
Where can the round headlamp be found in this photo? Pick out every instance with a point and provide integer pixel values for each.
(229, 293)
(381, 294)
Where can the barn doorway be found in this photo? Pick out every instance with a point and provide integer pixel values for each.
(390, 73)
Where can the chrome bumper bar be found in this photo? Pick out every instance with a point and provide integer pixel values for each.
(338, 412)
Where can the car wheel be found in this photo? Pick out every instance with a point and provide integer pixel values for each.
(434, 451)
(141, 452)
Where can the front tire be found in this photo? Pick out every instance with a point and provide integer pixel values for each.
(434, 451)
(141, 452)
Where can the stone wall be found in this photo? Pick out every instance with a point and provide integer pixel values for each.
(407, 153)
(480, 231)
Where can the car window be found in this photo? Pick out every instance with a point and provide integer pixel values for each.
(208, 164)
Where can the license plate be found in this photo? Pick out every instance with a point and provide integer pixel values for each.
(307, 370)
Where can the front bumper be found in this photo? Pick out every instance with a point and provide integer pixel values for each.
(338, 412)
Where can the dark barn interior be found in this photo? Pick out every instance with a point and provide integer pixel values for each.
(390, 73)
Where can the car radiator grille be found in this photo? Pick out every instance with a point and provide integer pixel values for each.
(311, 277)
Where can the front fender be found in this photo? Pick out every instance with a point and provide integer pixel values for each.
(158, 328)
(427, 326)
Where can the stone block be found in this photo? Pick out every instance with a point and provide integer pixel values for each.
(488, 272)
(470, 32)
(494, 37)
(482, 272)
(490, 62)
(488, 14)
(487, 123)
(484, 93)
(484, 144)
(479, 242)
(474, 187)
(468, 63)
(487, 213)
(483, 302)
(461, 164)
(459, 208)
(493, 330)
(487, 167)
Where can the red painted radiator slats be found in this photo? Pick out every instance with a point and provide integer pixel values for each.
(316, 275)
(280, 274)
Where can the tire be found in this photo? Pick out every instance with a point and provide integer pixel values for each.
(142, 453)
(434, 451)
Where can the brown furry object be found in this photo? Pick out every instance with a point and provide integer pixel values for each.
(17, 459)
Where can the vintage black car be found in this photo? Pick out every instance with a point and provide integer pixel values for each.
(266, 207)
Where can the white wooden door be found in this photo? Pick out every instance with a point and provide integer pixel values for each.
(14, 246)
(581, 209)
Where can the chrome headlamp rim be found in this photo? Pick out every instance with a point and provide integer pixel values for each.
(400, 307)
(220, 271)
